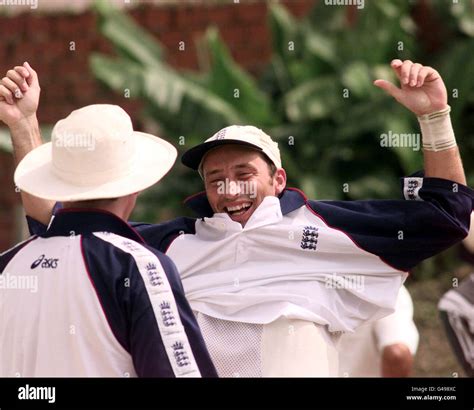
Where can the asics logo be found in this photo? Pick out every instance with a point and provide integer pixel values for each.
(45, 263)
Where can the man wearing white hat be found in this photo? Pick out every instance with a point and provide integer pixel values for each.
(100, 301)
(273, 277)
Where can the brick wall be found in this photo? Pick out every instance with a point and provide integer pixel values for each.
(43, 40)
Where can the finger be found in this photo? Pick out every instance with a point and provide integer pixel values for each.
(396, 65)
(33, 77)
(432, 75)
(17, 79)
(422, 76)
(12, 86)
(413, 76)
(405, 71)
(25, 74)
(22, 71)
(6, 94)
(389, 88)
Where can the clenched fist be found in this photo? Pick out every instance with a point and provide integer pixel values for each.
(19, 95)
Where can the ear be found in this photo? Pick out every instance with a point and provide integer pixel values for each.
(279, 181)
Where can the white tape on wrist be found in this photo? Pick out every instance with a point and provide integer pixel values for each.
(437, 131)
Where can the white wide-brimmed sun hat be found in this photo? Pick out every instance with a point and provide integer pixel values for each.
(94, 153)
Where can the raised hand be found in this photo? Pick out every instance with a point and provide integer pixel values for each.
(422, 89)
(19, 95)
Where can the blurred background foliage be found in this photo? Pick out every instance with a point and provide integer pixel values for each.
(315, 97)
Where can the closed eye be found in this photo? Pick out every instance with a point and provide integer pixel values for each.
(215, 181)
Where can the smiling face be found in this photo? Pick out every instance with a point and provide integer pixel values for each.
(237, 178)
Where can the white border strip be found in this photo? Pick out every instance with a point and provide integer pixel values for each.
(163, 302)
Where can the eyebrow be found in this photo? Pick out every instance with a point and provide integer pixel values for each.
(238, 166)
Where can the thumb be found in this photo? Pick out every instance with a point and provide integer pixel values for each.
(389, 88)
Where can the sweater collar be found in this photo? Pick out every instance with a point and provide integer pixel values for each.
(290, 199)
(78, 221)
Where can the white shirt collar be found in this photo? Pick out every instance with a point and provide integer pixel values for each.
(268, 212)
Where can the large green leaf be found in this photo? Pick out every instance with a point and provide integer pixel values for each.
(352, 120)
(130, 40)
(170, 94)
(287, 44)
(119, 74)
(230, 82)
(394, 37)
(356, 77)
(285, 33)
(321, 47)
(314, 99)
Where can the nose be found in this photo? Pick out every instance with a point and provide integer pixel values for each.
(232, 189)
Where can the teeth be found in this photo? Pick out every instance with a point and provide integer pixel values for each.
(238, 207)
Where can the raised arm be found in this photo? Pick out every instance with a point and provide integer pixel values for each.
(423, 92)
(19, 99)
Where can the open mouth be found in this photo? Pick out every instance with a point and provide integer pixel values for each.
(237, 210)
